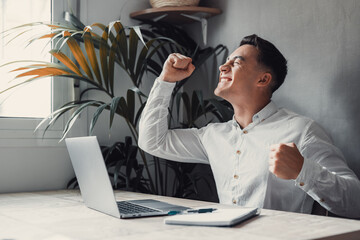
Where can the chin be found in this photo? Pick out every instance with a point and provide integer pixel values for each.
(222, 89)
(217, 92)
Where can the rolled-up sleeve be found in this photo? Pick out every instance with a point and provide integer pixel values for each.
(183, 145)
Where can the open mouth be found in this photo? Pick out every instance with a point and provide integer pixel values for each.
(225, 79)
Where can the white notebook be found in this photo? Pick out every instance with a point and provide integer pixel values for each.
(219, 218)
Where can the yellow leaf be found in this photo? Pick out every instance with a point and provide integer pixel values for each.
(66, 61)
(78, 54)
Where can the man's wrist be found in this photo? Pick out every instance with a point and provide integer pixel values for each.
(161, 80)
(165, 78)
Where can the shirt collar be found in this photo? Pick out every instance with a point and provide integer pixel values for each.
(266, 112)
(263, 114)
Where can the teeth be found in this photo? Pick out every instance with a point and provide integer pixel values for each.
(224, 80)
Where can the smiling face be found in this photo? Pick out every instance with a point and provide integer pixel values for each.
(240, 75)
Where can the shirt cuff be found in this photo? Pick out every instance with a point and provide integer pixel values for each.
(162, 88)
(307, 175)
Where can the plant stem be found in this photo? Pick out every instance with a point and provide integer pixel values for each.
(142, 154)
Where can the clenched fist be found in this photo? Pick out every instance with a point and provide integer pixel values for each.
(285, 160)
(176, 68)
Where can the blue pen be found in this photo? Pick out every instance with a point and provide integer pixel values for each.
(202, 210)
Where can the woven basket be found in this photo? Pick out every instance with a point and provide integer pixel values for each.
(173, 3)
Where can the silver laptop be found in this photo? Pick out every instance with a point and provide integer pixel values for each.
(95, 186)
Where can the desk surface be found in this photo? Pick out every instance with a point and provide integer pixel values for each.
(62, 215)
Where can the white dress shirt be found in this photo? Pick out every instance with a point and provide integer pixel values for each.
(239, 157)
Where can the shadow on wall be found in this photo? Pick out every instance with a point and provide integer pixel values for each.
(345, 127)
(214, 3)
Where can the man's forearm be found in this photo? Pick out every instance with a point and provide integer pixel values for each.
(153, 122)
(181, 145)
(339, 193)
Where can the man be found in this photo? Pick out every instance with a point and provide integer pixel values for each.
(265, 157)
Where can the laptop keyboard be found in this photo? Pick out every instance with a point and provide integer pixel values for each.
(128, 207)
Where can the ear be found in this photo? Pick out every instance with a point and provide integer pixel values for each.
(265, 80)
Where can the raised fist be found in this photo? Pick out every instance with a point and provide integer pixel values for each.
(176, 68)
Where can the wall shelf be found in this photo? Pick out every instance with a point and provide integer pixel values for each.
(176, 15)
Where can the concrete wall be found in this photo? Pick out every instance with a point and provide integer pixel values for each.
(321, 40)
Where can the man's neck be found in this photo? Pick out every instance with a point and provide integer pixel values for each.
(243, 114)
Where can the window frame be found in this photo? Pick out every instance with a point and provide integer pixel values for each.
(17, 131)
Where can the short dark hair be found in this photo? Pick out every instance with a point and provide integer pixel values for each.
(269, 56)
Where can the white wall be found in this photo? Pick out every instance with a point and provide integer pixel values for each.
(34, 168)
(321, 40)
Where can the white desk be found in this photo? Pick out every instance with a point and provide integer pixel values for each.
(62, 215)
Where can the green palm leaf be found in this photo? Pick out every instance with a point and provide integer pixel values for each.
(121, 42)
(104, 29)
(96, 115)
(56, 116)
(114, 108)
(225, 113)
(76, 115)
(51, 116)
(130, 100)
(138, 114)
(104, 57)
(133, 46)
(111, 67)
(198, 105)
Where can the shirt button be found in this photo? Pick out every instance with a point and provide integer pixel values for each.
(236, 176)
(238, 152)
(234, 201)
(301, 184)
(245, 132)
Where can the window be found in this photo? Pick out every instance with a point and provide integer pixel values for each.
(32, 100)
(21, 110)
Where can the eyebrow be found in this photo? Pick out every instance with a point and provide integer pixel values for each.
(236, 57)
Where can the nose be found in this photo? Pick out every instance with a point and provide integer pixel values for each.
(224, 68)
